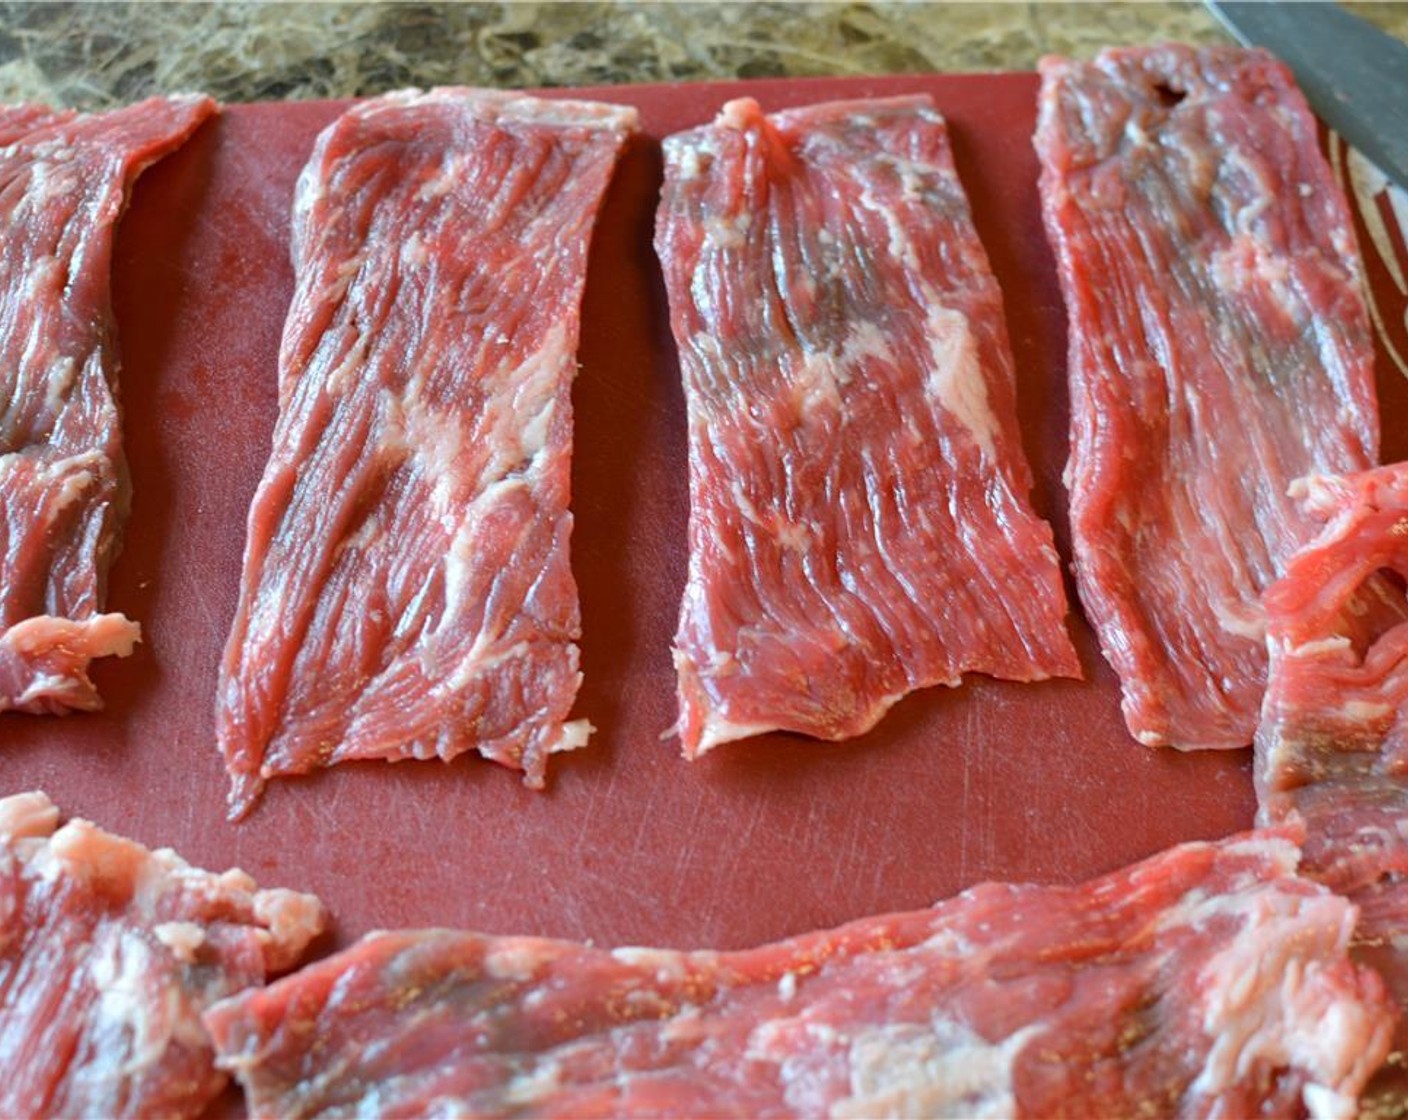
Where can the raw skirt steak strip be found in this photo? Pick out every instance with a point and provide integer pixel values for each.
(1332, 748)
(1207, 981)
(64, 182)
(406, 589)
(859, 521)
(1219, 349)
(109, 953)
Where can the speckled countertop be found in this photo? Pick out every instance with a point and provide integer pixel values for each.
(97, 54)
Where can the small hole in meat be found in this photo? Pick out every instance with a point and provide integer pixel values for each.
(1167, 95)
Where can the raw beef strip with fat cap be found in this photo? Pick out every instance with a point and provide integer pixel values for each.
(1210, 980)
(64, 183)
(406, 589)
(1220, 348)
(859, 522)
(109, 953)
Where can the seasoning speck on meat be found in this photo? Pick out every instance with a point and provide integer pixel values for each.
(1210, 980)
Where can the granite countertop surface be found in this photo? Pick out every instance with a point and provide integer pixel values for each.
(91, 55)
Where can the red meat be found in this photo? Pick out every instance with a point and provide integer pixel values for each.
(1207, 981)
(1219, 349)
(406, 589)
(1332, 748)
(859, 522)
(64, 183)
(109, 953)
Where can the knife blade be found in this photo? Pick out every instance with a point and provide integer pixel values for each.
(1354, 75)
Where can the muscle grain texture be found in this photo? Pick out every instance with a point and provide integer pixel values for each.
(109, 953)
(1207, 981)
(859, 521)
(1332, 747)
(64, 183)
(406, 589)
(1219, 349)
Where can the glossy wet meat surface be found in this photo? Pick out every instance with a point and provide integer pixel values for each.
(109, 953)
(859, 515)
(1332, 747)
(1196, 983)
(1219, 349)
(64, 183)
(407, 590)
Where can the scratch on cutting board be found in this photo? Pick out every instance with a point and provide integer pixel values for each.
(816, 831)
(850, 862)
(640, 842)
(740, 849)
(744, 835)
(966, 786)
(580, 842)
(686, 853)
(192, 577)
(972, 807)
(604, 892)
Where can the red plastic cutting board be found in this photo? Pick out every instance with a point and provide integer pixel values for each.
(630, 844)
